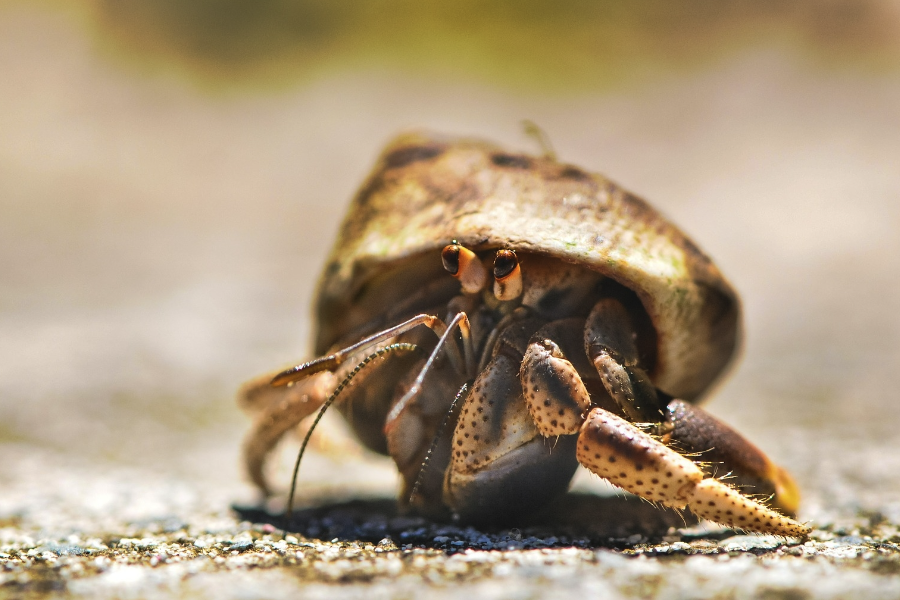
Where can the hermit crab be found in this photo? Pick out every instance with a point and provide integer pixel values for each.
(491, 320)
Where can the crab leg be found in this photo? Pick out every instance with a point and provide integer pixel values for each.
(332, 361)
(462, 322)
(553, 389)
(281, 409)
(609, 342)
(726, 451)
(620, 452)
(406, 423)
(633, 460)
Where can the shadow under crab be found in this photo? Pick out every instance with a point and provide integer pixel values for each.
(575, 519)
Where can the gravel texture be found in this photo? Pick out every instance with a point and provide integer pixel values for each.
(159, 246)
(80, 531)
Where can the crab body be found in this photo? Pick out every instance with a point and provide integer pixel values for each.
(578, 327)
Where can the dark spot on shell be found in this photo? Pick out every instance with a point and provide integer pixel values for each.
(571, 172)
(512, 161)
(332, 268)
(410, 154)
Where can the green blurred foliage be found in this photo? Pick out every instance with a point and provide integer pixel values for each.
(566, 44)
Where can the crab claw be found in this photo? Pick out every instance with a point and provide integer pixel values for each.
(719, 502)
(633, 460)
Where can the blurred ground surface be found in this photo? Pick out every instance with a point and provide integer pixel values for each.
(158, 246)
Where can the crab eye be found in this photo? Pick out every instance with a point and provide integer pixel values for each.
(450, 258)
(504, 264)
(465, 266)
(507, 276)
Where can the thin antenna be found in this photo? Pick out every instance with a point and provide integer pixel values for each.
(399, 347)
(434, 443)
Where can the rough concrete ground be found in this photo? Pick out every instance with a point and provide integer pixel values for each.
(157, 247)
(79, 529)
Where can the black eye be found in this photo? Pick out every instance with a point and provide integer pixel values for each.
(504, 263)
(450, 258)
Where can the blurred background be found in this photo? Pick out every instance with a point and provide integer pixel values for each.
(172, 174)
